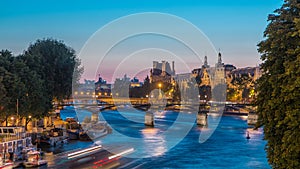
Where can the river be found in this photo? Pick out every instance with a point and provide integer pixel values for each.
(226, 148)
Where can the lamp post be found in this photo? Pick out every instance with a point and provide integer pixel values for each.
(17, 122)
(159, 86)
(29, 118)
(12, 120)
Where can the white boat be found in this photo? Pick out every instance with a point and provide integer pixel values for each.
(5, 165)
(34, 160)
(96, 130)
(94, 134)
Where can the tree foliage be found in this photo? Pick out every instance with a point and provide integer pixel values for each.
(56, 63)
(279, 87)
(43, 74)
(10, 83)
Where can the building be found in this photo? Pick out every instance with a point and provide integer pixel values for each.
(162, 72)
(84, 90)
(102, 88)
(252, 73)
(211, 76)
(135, 83)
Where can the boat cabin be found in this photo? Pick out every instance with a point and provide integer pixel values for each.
(11, 131)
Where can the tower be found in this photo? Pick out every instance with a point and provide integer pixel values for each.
(219, 59)
(173, 68)
(219, 72)
(151, 76)
(163, 68)
(205, 65)
(257, 73)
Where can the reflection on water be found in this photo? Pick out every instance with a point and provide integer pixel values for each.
(154, 143)
(160, 114)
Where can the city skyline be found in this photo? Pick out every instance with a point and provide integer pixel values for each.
(234, 27)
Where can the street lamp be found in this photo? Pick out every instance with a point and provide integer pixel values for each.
(159, 86)
(12, 120)
(17, 110)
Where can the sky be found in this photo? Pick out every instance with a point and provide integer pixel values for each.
(233, 26)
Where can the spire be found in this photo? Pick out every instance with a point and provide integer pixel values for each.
(205, 61)
(173, 67)
(219, 58)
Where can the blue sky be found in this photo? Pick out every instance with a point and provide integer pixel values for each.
(234, 26)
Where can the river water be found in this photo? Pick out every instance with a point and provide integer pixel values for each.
(227, 147)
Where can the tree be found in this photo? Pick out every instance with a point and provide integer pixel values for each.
(10, 84)
(279, 87)
(19, 82)
(43, 74)
(31, 97)
(56, 64)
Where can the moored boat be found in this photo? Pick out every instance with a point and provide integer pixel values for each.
(73, 134)
(83, 136)
(5, 165)
(95, 134)
(53, 138)
(34, 160)
(73, 128)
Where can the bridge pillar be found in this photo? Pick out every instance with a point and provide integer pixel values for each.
(95, 117)
(252, 118)
(149, 119)
(202, 119)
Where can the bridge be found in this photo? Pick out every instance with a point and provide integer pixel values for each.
(151, 105)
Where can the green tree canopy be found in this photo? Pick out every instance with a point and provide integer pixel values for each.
(43, 74)
(279, 87)
(56, 64)
(9, 84)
